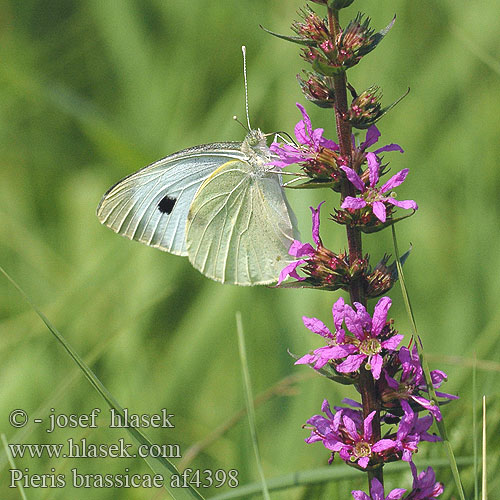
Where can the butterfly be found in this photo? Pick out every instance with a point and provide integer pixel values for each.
(221, 204)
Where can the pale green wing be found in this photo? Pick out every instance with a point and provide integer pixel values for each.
(151, 205)
(240, 227)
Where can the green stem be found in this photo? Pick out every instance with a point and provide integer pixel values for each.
(369, 395)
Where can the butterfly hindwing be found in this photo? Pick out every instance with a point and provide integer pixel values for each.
(239, 227)
(151, 205)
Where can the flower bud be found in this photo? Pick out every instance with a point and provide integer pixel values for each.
(318, 89)
(313, 30)
(357, 40)
(366, 109)
(381, 279)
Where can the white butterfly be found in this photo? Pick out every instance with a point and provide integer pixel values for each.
(220, 204)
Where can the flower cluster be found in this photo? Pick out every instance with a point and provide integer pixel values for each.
(365, 343)
(370, 343)
(320, 159)
(327, 270)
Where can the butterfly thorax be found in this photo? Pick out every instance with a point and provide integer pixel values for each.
(255, 148)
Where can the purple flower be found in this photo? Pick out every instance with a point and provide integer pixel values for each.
(377, 492)
(366, 345)
(356, 444)
(298, 249)
(310, 142)
(425, 486)
(411, 431)
(317, 155)
(362, 345)
(373, 196)
(350, 437)
(412, 382)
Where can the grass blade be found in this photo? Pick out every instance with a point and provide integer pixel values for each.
(474, 429)
(249, 400)
(13, 465)
(432, 393)
(484, 492)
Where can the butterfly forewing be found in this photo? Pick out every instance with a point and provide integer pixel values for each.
(239, 228)
(151, 205)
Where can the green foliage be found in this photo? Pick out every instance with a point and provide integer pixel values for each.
(91, 91)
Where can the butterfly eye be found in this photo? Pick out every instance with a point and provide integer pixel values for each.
(166, 205)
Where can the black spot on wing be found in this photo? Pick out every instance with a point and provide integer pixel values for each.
(166, 204)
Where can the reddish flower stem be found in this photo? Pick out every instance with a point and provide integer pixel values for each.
(369, 395)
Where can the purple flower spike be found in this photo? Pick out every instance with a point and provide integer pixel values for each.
(377, 492)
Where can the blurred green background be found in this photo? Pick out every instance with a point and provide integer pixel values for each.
(92, 90)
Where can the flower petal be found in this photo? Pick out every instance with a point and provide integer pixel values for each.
(382, 445)
(367, 426)
(379, 211)
(357, 322)
(389, 147)
(373, 168)
(315, 224)
(377, 490)
(395, 181)
(354, 178)
(406, 204)
(353, 203)
(376, 363)
(351, 364)
(307, 359)
(317, 326)
(396, 494)
(290, 270)
(351, 429)
(299, 249)
(372, 136)
(338, 313)
(391, 344)
(303, 129)
(433, 409)
(359, 495)
(380, 315)
(327, 143)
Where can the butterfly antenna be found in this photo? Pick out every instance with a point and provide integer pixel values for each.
(244, 51)
(237, 120)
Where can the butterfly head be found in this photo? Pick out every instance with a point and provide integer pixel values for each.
(255, 147)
